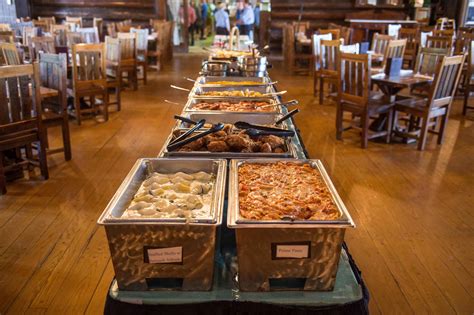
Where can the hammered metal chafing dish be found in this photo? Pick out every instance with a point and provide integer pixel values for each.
(290, 151)
(199, 90)
(230, 118)
(258, 241)
(130, 240)
(209, 81)
(190, 105)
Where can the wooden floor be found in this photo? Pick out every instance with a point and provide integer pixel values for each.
(414, 239)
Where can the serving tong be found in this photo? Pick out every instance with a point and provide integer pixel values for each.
(173, 146)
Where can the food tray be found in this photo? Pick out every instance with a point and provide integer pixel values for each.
(262, 246)
(189, 107)
(186, 247)
(230, 118)
(197, 91)
(209, 81)
(289, 153)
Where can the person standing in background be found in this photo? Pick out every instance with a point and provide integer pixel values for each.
(247, 19)
(204, 15)
(256, 13)
(238, 13)
(222, 20)
(212, 19)
(197, 8)
(191, 21)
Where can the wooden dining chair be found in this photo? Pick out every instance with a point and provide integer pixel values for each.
(439, 42)
(9, 55)
(335, 33)
(449, 33)
(428, 60)
(350, 49)
(50, 21)
(29, 32)
(316, 51)
(142, 51)
(7, 36)
(20, 123)
(328, 71)
(89, 80)
(73, 38)
(99, 24)
(469, 79)
(154, 53)
(124, 26)
(354, 97)
(59, 35)
(394, 49)
(53, 76)
(379, 45)
(345, 32)
(43, 44)
(90, 35)
(112, 29)
(128, 59)
(112, 60)
(411, 49)
(73, 22)
(293, 60)
(428, 110)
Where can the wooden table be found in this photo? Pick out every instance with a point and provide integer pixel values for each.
(391, 86)
(364, 28)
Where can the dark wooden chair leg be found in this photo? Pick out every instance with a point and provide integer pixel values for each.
(467, 92)
(66, 139)
(365, 130)
(77, 109)
(423, 133)
(389, 126)
(145, 68)
(321, 91)
(43, 161)
(442, 127)
(339, 122)
(105, 105)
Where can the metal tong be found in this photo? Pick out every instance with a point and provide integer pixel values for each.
(173, 146)
(197, 125)
(259, 130)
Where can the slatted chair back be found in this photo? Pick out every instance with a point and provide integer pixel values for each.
(44, 44)
(446, 81)
(50, 20)
(90, 35)
(73, 38)
(449, 33)
(142, 39)
(112, 29)
(112, 49)
(345, 32)
(316, 47)
(350, 49)
(128, 48)
(354, 80)
(9, 55)
(18, 107)
(439, 42)
(395, 49)
(73, 22)
(88, 65)
(29, 32)
(53, 75)
(60, 36)
(124, 26)
(335, 33)
(99, 24)
(300, 27)
(463, 43)
(329, 57)
(428, 59)
(7, 36)
(413, 42)
(380, 43)
(394, 30)
(5, 27)
(42, 25)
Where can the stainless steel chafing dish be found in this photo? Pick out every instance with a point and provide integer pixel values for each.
(290, 151)
(189, 242)
(209, 81)
(231, 118)
(190, 105)
(317, 244)
(199, 90)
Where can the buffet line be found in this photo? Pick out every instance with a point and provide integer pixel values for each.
(233, 162)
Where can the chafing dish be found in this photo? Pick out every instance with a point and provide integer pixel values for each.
(210, 81)
(289, 148)
(199, 90)
(163, 253)
(215, 68)
(271, 251)
(190, 105)
(230, 118)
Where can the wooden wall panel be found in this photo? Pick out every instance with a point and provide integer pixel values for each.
(138, 10)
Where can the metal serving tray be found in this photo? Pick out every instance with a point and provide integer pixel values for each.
(289, 153)
(272, 254)
(135, 243)
(209, 81)
(197, 91)
(230, 118)
(189, 107)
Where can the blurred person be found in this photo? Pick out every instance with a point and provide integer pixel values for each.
(204, 15)
(191, 21)
(256, 13)
(212, 20)
(238, 13)
(247, 19)
(222, 20)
